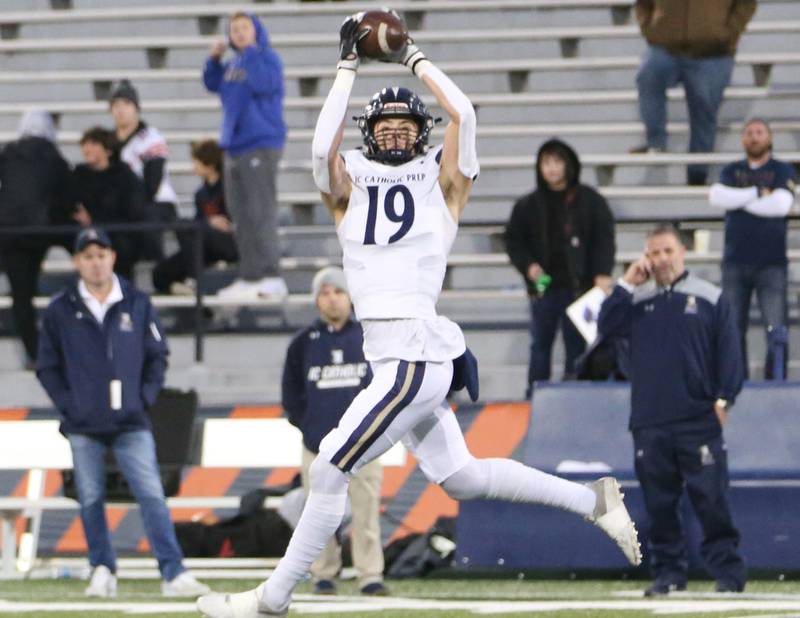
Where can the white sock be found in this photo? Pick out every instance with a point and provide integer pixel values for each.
(506, 479)
(321, 517)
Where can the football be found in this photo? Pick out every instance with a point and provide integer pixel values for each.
(386, 35)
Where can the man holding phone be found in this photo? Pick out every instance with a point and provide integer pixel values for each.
(686, 370)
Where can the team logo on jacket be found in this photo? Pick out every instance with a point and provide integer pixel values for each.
(337, 357)
(125, 322)
(691, 305)
(339, 375)
(706, 456)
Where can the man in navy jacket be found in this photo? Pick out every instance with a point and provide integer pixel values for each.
(686, 371)
(324, 371)
(102, 358)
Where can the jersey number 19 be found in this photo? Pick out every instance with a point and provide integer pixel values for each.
(405, 217)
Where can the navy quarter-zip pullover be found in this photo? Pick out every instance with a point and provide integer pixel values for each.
(684, 349)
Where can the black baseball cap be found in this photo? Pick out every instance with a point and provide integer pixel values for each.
(92, 236)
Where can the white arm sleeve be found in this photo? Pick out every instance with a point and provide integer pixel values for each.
(776, 204)
(330, 120)
(729, 198)
(467, 123)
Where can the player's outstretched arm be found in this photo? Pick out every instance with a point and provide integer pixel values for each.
(330, 174)
(459, 163)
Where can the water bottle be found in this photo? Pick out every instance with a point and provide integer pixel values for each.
(543, 282)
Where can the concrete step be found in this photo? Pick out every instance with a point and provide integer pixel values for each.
(432, 14)
(493, 139)
(501, 108)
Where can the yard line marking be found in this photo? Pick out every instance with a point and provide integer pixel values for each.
(346, 605)
(768, 596)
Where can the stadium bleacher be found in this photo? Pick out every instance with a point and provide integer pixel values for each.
(542, 68)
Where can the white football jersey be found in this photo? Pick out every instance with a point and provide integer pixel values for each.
(148, 143)
(395, 237)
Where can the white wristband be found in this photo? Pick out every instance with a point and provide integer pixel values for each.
(421, 67)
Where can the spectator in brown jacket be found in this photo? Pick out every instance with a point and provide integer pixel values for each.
(693, 43)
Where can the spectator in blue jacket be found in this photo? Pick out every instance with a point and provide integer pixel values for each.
(102, 358)
(324, 371)
(252, 135)
(757, 194)
(685, 371)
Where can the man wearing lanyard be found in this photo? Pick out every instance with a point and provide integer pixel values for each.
(102, 358)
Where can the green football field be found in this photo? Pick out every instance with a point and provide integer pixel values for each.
(434, 598)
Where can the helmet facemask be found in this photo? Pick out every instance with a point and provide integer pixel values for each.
(394, 103)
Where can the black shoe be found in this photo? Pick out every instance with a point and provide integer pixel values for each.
(375, 589)
(728, 586)
(325, 586)
(661, 588)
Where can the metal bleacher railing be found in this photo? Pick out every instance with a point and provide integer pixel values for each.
(494, 258)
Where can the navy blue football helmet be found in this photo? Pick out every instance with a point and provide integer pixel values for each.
(395, 102)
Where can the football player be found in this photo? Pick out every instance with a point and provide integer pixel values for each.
(396, 203)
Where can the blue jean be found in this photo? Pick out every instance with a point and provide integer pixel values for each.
(547, 312)
(768, 282)
(704, 81)
(135, 452)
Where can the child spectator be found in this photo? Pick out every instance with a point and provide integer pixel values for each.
(176, 274)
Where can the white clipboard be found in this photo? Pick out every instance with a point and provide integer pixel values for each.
(585, 311)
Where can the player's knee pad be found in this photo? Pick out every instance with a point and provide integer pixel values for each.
(325, 478)
(470, 482)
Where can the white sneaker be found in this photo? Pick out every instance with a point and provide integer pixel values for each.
(240, 289)
(103, 583)
(184, 585)
(272, 287)
(248, 604)
(188, 287)
(611, 516)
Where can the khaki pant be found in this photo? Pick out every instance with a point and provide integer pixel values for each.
(365, 499)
